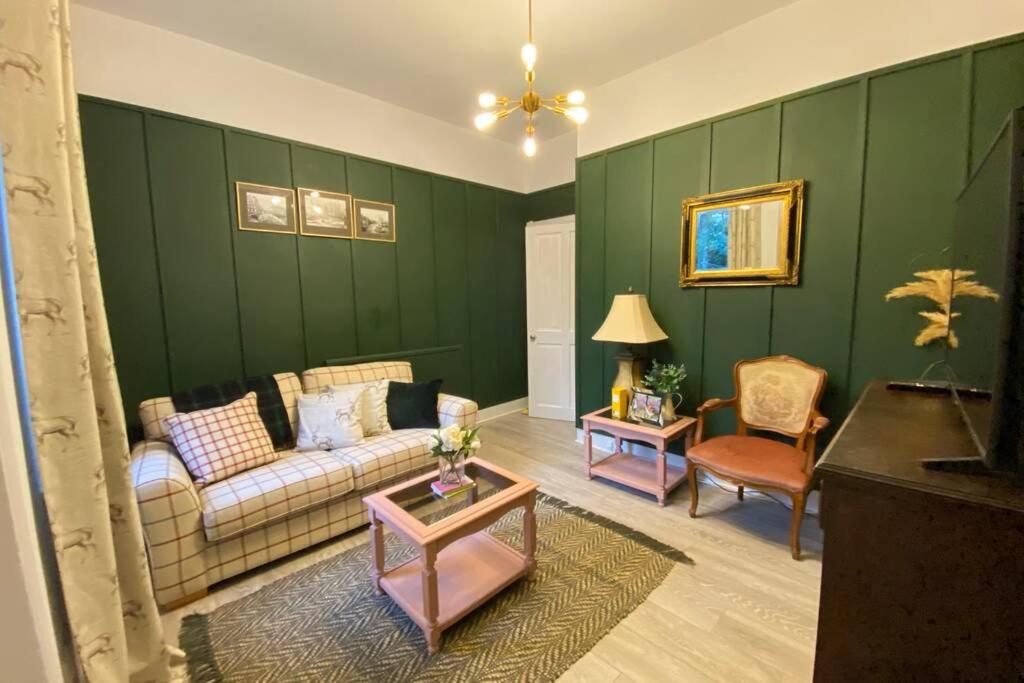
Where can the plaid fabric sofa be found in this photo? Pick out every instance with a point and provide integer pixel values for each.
(197, 536)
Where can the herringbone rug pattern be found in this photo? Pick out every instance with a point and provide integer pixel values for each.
(324, 623)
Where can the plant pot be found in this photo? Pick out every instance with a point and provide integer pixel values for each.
(451, 468)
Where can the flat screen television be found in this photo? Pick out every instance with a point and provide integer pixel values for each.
(988, 358)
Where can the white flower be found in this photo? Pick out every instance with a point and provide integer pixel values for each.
(474, 445)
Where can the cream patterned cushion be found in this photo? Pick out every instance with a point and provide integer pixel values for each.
(330, 420)
(777, 394)
(374, 412)
(259, 496)
(384, 457)
(153, 412)
(218, 442)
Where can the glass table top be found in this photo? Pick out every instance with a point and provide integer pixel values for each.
(420, 501)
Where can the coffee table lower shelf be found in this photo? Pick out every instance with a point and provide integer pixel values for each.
(469, 572)
(638, 473)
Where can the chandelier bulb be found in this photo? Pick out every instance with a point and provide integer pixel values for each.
(576, 97)
(529, 145)
(485, 120)
(529, 56)
(487, 100)
(577, 114)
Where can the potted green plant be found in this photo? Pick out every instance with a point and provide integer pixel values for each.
(666, 379)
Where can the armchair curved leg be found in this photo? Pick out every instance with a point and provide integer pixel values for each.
(739, 492)
(691, 477)
(799, 502)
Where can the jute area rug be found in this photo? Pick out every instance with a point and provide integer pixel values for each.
(324, 623)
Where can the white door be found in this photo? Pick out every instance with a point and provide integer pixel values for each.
(551, 317)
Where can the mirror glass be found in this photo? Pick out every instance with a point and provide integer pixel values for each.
(740, 237)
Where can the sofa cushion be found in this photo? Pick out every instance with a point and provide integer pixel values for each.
(154, 412)
(262, 495)
(316, 380)
(217, 443)
(413, 405)
(387, 456)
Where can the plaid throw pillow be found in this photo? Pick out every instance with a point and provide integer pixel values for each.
(218, 442)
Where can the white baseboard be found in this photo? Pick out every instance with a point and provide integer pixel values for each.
(492, 412)
(605, 443)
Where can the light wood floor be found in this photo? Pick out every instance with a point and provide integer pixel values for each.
(744, 611)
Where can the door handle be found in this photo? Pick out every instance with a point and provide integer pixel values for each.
(533, 337)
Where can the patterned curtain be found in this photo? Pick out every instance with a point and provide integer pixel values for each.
(75, 400)
(745, 237)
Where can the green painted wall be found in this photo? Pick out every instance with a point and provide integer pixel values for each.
(192, 300)
(552, 202)
(884, 155)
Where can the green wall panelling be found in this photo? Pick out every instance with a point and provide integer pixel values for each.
(114, 145)
(450, 239)
(482, 257)
(552, 202)
(998, 74)
(266, 264)
(823, 141)
(447, 365)
(590, 300)
(511, 298)
(415, 254)
(681, 163)
(916, 156)
(325, 265)
(737, 320)
(188, 182)
(627, 234)
(884, 155)
(374, 266)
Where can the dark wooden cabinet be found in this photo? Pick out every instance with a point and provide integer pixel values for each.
(923, 571)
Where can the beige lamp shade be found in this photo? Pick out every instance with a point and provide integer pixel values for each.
(630, 322)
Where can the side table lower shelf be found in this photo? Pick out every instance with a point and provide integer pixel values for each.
(638, 473)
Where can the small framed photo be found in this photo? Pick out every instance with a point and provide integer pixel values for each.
(645, 407)
(325, 214)
(265, 208)
(374, 220)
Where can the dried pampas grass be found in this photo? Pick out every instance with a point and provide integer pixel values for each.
(941, 286)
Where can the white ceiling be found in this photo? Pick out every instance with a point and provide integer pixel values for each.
(435, 56)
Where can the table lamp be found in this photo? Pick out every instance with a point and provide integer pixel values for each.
(629, 322)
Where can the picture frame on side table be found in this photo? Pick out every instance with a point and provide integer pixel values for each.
(325, 214)
(374, 220)
(645, 406)
(265, 208)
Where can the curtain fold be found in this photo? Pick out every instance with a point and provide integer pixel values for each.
(75, 400)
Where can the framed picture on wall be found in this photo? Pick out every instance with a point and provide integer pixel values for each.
(265, 208)
(325, 214)
(375, 220)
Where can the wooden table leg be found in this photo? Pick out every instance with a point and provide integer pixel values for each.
(376, 551)
(429, 578)
(530, 533)
(661, 475)
(587, 450)
(618, 445)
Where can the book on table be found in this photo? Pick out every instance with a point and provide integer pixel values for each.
(447, 491)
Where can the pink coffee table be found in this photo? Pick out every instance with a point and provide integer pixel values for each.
(460, 566)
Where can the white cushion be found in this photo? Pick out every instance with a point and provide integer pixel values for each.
(375, 404)
(216, 443)
(330, 420)
(388, 456)
(258, 497)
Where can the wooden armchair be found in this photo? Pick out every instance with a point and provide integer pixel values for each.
(776, 394)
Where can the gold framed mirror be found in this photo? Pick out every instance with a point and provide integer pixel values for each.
(743, 237)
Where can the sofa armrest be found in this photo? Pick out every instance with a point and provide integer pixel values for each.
(171, 521)
(454, 410)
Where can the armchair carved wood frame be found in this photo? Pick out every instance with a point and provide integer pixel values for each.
(777, 394)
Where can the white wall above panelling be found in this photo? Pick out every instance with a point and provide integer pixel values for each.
(127, 61)
(801, 45)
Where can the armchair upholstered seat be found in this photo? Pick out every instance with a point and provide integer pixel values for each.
(777, 394)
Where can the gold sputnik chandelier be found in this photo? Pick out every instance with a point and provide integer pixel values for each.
(530, 102)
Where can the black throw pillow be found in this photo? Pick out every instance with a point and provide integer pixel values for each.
(413, 404)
